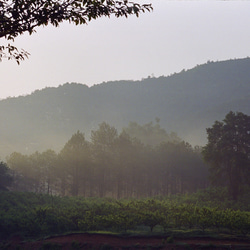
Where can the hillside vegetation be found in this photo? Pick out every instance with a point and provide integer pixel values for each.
(186, 103)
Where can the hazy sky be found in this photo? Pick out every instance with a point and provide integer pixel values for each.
(176, 35)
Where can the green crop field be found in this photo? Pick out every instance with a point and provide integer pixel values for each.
(36, 215)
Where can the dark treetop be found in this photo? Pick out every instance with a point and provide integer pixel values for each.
(19, 16)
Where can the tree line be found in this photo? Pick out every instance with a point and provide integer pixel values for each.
(113, 164)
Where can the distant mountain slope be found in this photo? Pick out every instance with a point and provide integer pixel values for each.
(187, 103)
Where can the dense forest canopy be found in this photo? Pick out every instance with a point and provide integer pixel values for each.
(112, 164)
(168, 173)
(140, 161)
(186, 103)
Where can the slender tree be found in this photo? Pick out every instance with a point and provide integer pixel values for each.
(75, 160)
(103, 151)
(48, 170)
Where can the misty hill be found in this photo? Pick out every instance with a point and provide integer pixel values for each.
(186, 103)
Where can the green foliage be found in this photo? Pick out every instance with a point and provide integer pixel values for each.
(150, 134)
(74, 163)
(111, 164)
(170, 239)
(25, 16)
(34, 215)
(5, 176)
(228, 152)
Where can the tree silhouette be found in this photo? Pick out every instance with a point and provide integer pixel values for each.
(17, 17)
(5, 177)
(228, 151)
(76, 162)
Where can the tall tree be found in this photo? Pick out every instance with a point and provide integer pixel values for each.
(228, 151)
(22, 173)
(48, 169)
(103, 151)
(35, 168)
(75, 160)
(17, 17)
(5, 176)
(126, 170)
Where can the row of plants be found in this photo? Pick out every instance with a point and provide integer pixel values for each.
(35, 215)
(151, 213)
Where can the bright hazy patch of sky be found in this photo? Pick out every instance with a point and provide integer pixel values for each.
(176, 35)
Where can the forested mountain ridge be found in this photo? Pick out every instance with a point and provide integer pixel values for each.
(186, 103)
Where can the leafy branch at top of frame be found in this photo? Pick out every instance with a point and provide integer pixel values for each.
(20, 16)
